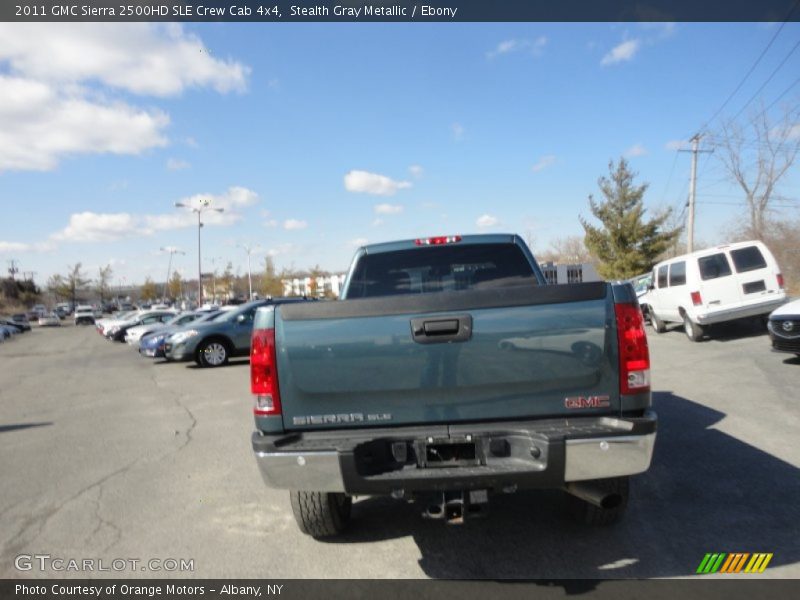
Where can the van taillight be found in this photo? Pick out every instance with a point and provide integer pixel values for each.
(696, 299)
(634, 356)
(780, 280)
(264, 373)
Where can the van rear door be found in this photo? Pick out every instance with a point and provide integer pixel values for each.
(757, 273)
(719, 288)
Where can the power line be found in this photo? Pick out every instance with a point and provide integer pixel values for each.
(752, 68)
(763, 85)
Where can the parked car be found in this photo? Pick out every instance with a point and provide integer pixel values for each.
(50, 320)
(85, 315)
(154, 317)
(152, 344)
(106, 323)
(212, 343)
(784, 328)
(13, 326)
(135, 334)
(724, 283)
(64, 309)
(22, 321)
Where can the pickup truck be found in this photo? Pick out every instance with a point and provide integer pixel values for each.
(450, 371)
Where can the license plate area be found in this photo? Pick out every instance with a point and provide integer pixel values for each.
(444, 453)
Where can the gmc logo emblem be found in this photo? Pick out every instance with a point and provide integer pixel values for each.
(587, 402)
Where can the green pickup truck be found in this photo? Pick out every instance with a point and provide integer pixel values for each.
(450, 371)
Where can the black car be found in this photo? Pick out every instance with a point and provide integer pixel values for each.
(14, 325)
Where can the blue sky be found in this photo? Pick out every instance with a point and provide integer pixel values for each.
(315, 138)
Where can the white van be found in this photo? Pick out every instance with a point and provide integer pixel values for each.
(725, 283)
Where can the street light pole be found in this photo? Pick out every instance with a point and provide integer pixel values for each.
(199, 210)
(249, 249)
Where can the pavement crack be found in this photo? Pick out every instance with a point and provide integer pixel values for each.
(41, 520)
(176, 399)
(103, 522)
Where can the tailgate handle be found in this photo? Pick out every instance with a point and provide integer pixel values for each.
(433, 331)
(440, 327)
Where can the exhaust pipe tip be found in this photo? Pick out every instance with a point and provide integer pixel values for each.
(595, 496)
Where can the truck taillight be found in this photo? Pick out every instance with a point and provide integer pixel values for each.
(437, 241)
(780, 280)
(264, 373)
(634, 357)
(697, 300)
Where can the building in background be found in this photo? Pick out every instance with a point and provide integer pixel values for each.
(556, 273)
(304, 285)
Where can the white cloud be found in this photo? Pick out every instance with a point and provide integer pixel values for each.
(42, 124)
(635, 150)
(378, 222)
(100, 227)
(142, 58)
(458, 131)
(282, 249)
(544, 162)
(358, 242)
(60, 79)
(508, 46)
(416, 171)
(622, 52)
(294, 224)
(371, 183)
(10, 247)
(486, 221)
(675, 145)
(176, 164)
(388, 209)
(104, 227)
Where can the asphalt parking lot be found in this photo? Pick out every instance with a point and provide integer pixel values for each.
(106, 455)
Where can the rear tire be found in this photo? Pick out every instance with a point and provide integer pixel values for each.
(693, 331)
(590, 514)
(656, 323)
(321, 514)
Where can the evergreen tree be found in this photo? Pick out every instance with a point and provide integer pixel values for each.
(626, 245)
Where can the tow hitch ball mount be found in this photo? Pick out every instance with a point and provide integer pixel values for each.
(454, 507)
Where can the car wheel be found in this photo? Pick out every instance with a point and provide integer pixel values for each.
(588, 513)
(213, 353)
(321, 514)
(656, 323)
(693, 331)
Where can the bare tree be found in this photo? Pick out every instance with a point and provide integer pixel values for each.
(757, 156)
(104, 282)
(570, 249)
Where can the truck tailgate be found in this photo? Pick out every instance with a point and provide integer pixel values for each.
(522, 352)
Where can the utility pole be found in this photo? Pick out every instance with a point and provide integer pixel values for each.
(12, 268)
(693, 191)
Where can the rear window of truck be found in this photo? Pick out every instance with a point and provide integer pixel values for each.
(713, 267)
(440, 268)
(748, 259)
